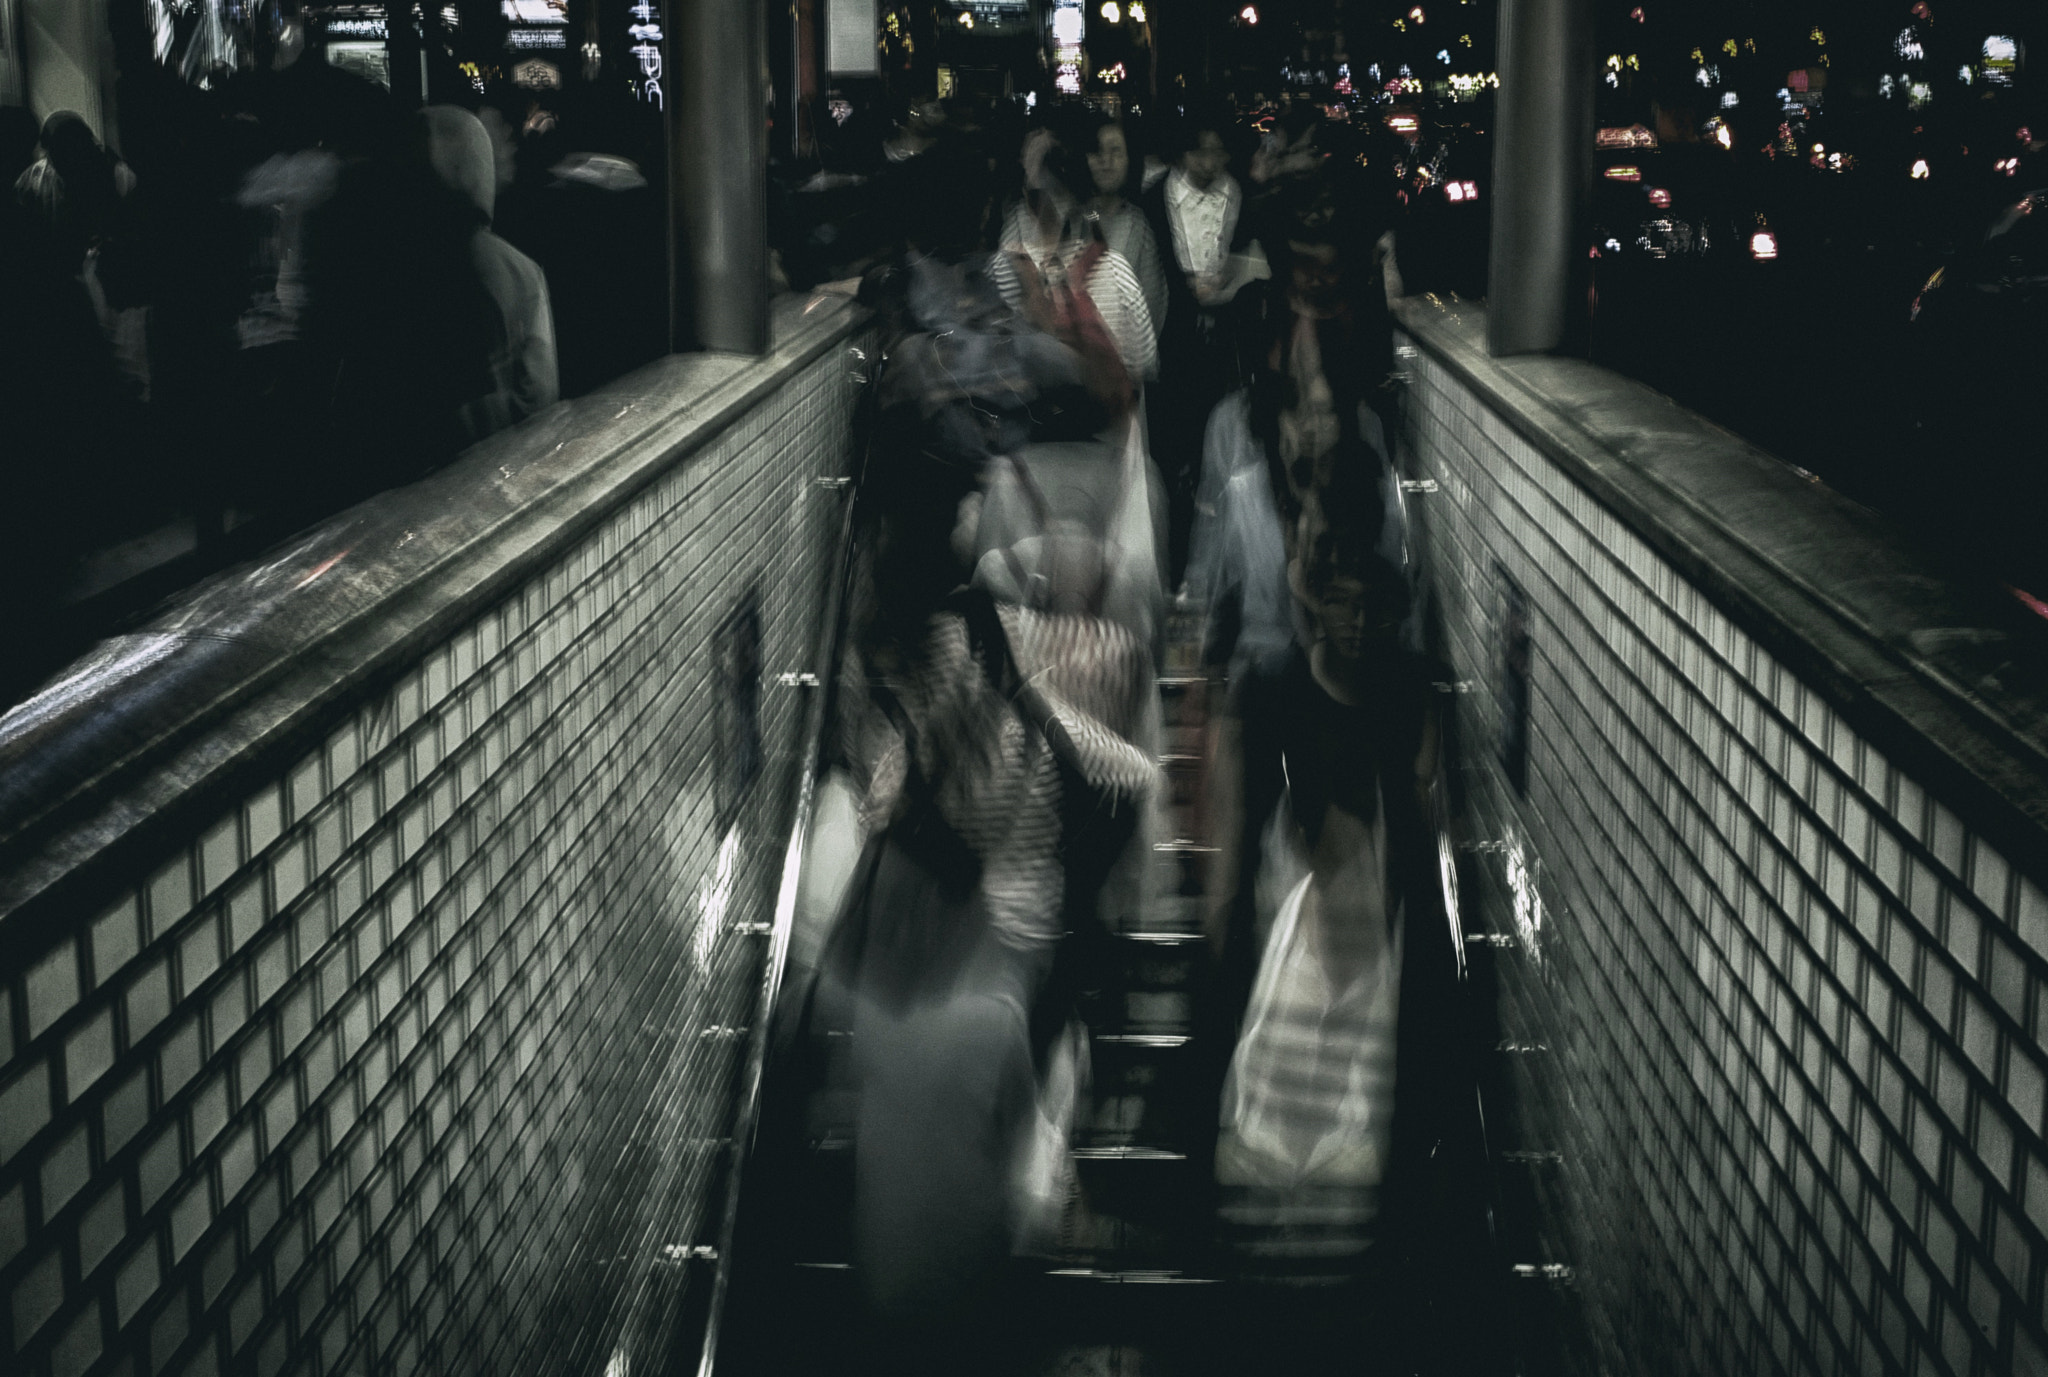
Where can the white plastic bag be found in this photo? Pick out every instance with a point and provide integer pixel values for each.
(1135, 591)
(1309, 1096)
(1046, 1183)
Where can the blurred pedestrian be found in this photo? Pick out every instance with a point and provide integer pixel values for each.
(430, 331)
(1198, 221)
(1307, 1111)
(1113, 175)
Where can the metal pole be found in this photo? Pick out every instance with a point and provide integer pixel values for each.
(718, 175)
(1543, 142)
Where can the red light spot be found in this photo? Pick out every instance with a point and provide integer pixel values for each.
(322, 567)
(1659, 197)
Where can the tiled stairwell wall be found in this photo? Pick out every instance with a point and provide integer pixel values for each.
(418, 1056)
(1774, 1005)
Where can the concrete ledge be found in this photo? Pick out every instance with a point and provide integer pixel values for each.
(1948, 679)
(143, 733)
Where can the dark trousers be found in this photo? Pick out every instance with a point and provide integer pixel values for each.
(1198, 368)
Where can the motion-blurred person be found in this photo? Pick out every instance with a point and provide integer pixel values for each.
(1011, 781)
(1306, 421)
(1057, 267)
(997, 776)
(1290, 149)
(79, 202)
(432, 332)
(520, 360)
(1124, 226)
(1198, 220)
(586, 183)
(74, 194)
(1088, 481)
(70, 414)
(1307, 1117)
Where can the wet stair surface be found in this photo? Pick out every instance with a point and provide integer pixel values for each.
(1142, 1285)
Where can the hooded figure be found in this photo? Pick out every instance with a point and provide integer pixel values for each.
(523, 374)
(424, 331)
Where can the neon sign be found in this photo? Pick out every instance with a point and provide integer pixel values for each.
(1068, 28)
(1629, 136)
(2001, 59)
(645, 31)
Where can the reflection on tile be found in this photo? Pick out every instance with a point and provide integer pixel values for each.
(386, 1067)
(1707, 798)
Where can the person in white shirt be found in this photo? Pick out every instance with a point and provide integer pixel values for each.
(1198, 219)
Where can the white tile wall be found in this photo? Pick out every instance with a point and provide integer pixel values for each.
(1794, 1004)
(395, 1064)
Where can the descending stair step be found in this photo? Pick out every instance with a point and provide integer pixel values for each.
(1140, 1207)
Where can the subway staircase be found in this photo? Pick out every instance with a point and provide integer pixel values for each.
(1141, 1288)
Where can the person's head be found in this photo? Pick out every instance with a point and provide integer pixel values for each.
(460, 153)
(1057, 187)
(68, 143)
(921, 117)
(1316, 270)
(1325, 233)
(1205, 157)
(1109, 160)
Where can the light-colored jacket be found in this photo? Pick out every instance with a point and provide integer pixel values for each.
(524, 375)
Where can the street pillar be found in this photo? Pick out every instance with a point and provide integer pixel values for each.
(717, 112)
(1542, 166)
